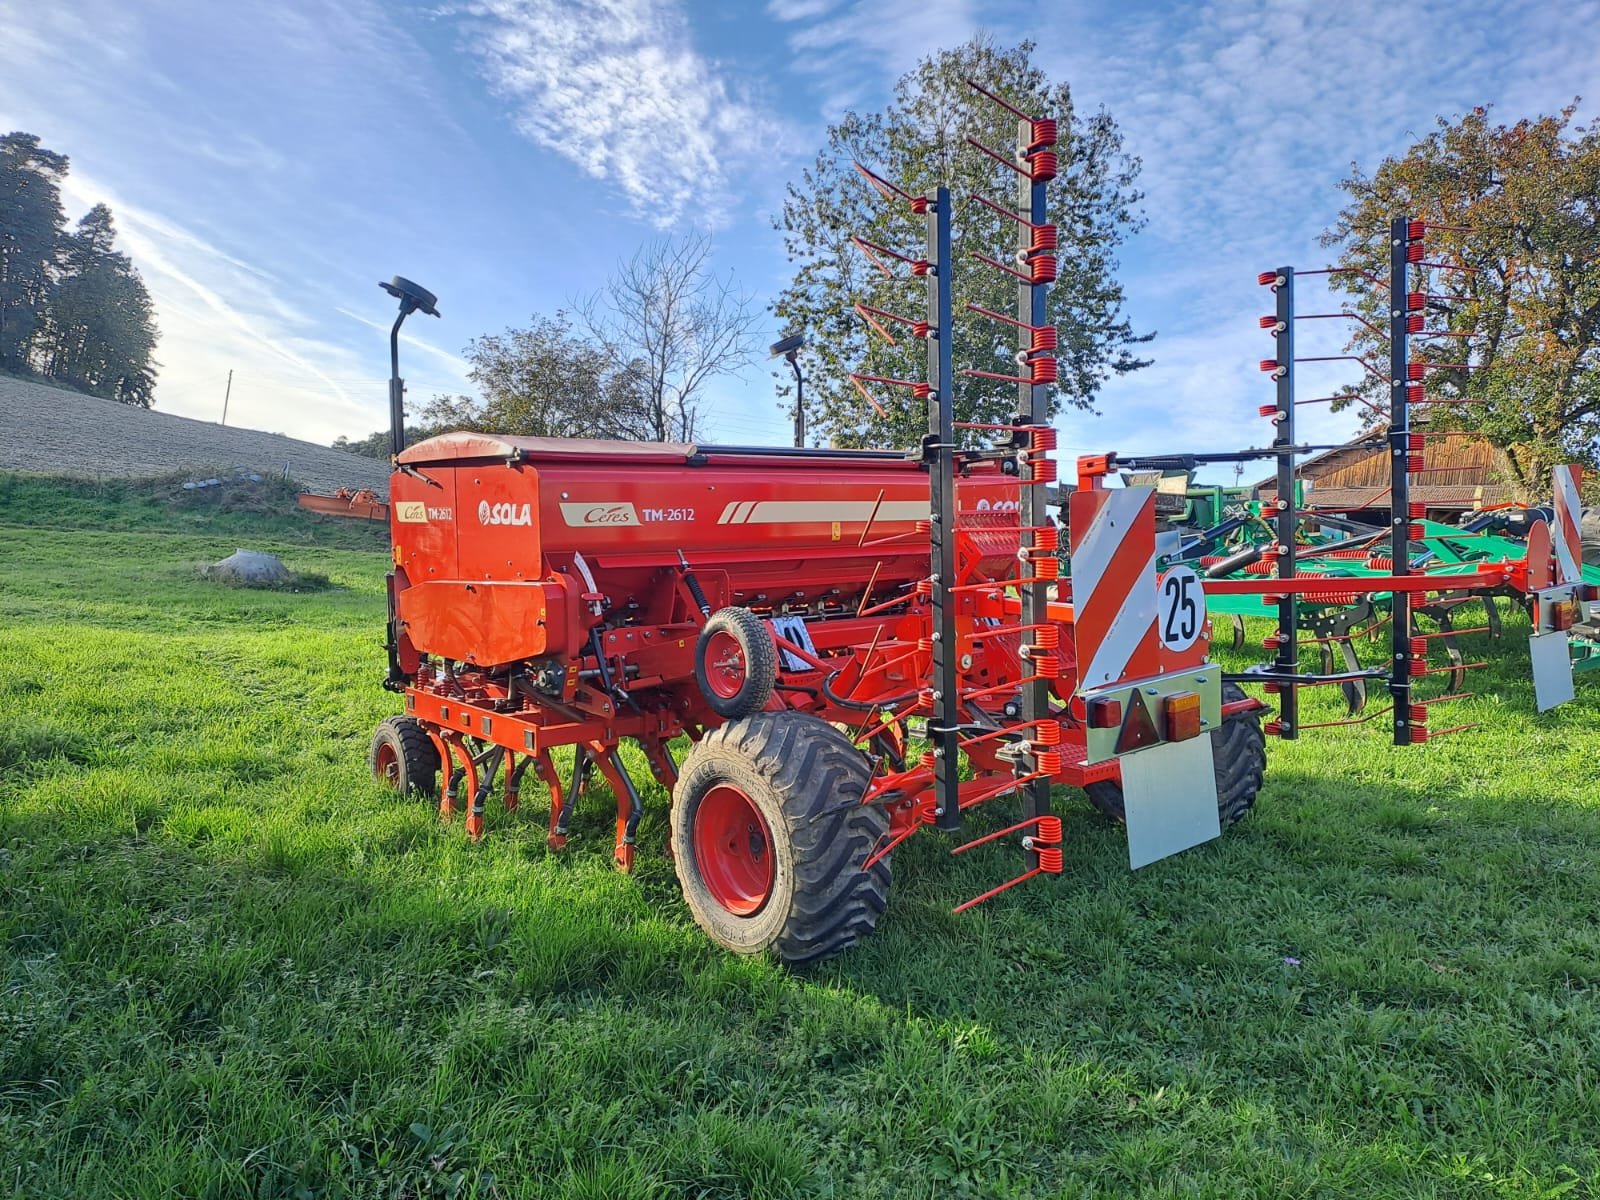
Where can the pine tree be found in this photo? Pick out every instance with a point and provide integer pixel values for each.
(31, 221)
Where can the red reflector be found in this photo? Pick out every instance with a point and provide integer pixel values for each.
(1105, 713)
(1183, 716)
(1139, 730)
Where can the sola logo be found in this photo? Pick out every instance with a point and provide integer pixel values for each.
(504, 514)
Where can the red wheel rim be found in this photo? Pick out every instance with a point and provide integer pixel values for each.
(725, 669)
(733, 850)
(386, 765)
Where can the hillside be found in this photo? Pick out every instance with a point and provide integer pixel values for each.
(58, 432)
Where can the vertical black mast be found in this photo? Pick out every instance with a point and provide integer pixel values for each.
(1399, 481)
(1287, 661)
(1033, 407)
(939, 454)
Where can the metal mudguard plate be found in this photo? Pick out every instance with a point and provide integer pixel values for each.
(1552, 669)
(1169, 794)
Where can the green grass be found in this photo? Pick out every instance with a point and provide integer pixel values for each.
(234, 966)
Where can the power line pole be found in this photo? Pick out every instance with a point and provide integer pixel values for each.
(225, 396)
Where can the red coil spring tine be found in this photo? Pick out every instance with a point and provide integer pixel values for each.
(919, 204)
(1044, 132)
(1007, 105)
(1045, 164)
(861, 387)
(1044, 370)
(1048, 733)
(1045, 239)
(1006, 162)
(1043, 439)
(984, 258)
(1045, 470)
(1047, 537)
(868, 315)
(1045, 338)
(1044, 269)
(1047, 637)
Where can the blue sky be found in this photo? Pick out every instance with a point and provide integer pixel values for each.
(269, 163)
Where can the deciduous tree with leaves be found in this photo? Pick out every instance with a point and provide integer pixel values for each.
(1519, 206)
(541, 381)
(917, 143)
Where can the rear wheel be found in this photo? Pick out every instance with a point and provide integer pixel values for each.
(1239, 758)
(735, 663)
(402, 755)
(769, 838)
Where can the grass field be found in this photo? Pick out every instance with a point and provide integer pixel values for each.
(234, 966)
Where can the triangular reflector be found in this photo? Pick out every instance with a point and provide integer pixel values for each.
(1139, 727)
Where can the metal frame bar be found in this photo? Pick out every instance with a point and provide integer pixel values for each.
(1399, 482)
(938, 451)
(1287, 656)
(1033, 406)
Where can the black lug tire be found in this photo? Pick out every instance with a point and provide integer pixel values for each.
(806, 780)
(1239, 754)
(760, 662)
(415, 760)
(1589, 536)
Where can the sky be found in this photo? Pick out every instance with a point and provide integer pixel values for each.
(268, 164)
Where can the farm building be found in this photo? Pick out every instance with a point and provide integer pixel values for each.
(1464, 472)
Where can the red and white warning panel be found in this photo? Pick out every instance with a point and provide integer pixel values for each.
(1113, 555)
(1566, 536)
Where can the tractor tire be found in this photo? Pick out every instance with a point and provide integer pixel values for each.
(1239, 754)
(1589, 536)
(402, 755)
(735, 663)
(769, 838)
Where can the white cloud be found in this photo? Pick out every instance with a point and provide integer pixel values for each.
(617, 88)
(858, 48)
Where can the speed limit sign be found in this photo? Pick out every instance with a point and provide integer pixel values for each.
(1180, 608)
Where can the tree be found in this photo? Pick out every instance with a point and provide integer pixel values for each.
(676, 325)
(542, 381)
(1519, 206)
(545, 381)
(30, 228)
(99, 333)
(917, 143)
